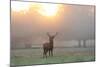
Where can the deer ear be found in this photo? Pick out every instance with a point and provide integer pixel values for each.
(56, 33)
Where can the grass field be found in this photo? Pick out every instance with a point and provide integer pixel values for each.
(34, 56)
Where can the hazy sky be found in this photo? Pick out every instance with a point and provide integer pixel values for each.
(72, 22)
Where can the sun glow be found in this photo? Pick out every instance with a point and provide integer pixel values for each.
(47, 9)
(44, 9)
(20, 6)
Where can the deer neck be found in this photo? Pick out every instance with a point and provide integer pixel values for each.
(51, 42)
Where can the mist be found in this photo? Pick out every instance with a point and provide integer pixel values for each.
(76, 24)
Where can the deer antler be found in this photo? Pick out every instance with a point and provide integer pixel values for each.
(48, 34)
(56, 34)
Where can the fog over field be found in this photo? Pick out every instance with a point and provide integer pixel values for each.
(74, 23)
(69, 28)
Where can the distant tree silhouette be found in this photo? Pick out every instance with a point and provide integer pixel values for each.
(84, 43)
(79, 43)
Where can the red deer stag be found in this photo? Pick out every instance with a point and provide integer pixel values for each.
(48, 47)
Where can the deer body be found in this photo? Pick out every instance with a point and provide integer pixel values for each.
(48, 47)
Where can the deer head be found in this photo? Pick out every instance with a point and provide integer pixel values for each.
(51, 37)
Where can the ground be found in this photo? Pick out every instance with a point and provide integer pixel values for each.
(34, 56)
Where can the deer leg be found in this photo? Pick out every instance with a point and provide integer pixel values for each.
(49, 53)
(44, 53)
(52, 52)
